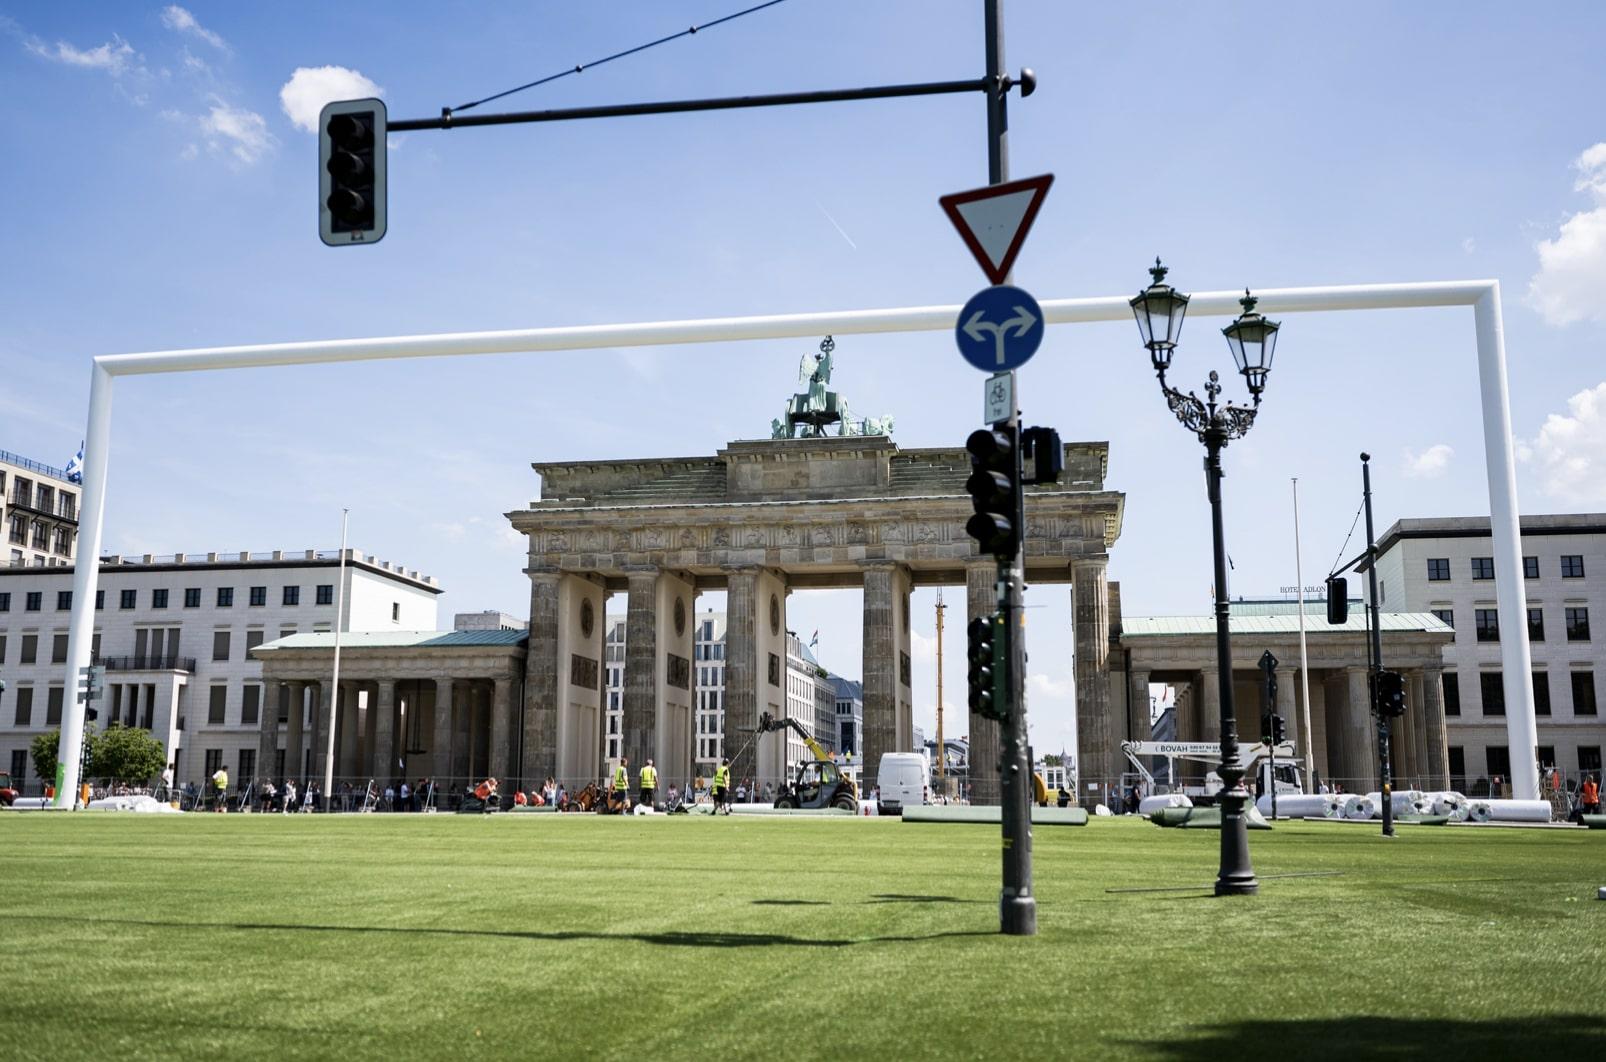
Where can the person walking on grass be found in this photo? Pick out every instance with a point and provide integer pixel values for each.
(1589, 796)
(621, 784)
(722, 787)
(649, 784)
(220, 782)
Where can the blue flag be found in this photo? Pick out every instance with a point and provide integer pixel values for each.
(75, 467)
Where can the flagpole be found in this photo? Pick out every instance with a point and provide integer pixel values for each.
(1304, 663)
(334, 682)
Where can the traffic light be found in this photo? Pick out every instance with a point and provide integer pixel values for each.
(1391, 693)
(1266, 727)
(1044, 454)
(1337, 599)
(1279, 729)
(994, 489)
(91, 682)
(351, 172)
(986, 669)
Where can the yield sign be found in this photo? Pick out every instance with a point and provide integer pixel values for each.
(993, 221)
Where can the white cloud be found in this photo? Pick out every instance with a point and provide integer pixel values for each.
(1571, 450)
(1429, 464)
(1469, 245)
(1041, 685)
(1571, 283)
(114, 56)
(310, 87)
(189, 153)
(181, 21)
(244, 134)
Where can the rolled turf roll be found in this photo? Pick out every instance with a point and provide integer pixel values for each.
(1298, 806)
(1519, 810)
(1360, 808)
(1478, 811)
(1150, 804)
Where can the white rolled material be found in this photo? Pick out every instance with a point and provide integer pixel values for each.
(141, 803)
(1101, 809)
(1519, 810)
(1478, 811)
(1150, 804)
(1449, 803)
(1360, 808)
(1301, 806)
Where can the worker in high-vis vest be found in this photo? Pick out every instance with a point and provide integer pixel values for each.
(621, 783)
(649, 784)
(722, 787)
(220, 780)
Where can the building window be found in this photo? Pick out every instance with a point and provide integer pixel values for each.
(326, 593)
(1483, 567)
(1546, 755)
(1584, 693)
(1577, 624)
(220, 645)
(1438, 569)
(250, 705)
(217, 707)
(225, 597)
(30, 649)
(159, 597)
(33, 601)
(192, 597)
(1536, 625)
(127, 598)
(292, 595)
(214, 763)
(58, 649)
(1572, 566)
(1487, 623)
(252, 640)
(1491, 686)
(248, 765)
(1530, 567)
(1588, 761)
(1498, 758)
(5, 602)
(395, 612)
(1541, 693)
(63, 600)
(19, 767)
(259, 596)
(24, 716)
(53, 707)
(100, 600)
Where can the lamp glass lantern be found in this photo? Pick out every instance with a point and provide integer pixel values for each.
(1159, 310)
(1253, 340)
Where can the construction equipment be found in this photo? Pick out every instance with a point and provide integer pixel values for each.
(819, 783)
(1257, 760)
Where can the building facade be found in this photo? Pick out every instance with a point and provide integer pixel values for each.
(39, 510)
(175, 634)
(849, 714)
(1446, 566)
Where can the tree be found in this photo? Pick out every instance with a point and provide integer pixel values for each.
(44, 755)
(1053, 760)
(127, 754)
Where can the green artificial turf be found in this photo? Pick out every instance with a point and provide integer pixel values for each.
(568, 937)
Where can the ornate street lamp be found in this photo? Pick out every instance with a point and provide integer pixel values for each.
(1159, 310)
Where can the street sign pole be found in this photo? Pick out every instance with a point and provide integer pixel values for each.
(1017, 906)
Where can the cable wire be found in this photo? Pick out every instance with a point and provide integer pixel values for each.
(1347, 537)
(447, 112)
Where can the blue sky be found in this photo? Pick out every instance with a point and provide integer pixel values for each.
(160, 195)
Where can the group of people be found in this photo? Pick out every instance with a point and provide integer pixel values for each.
(290, 798)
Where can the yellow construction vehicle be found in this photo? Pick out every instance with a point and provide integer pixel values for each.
(819, 782)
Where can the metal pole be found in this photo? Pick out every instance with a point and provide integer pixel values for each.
(942, 773)
(1304, 661)
(334, 681)
(1017, 907)
(1383, 769)
(1236, 877)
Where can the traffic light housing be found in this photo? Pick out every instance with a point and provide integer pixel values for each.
(1043, 454)
(91, 684)
(1391, 693)
(995, 491)
(351, 172)
(1279, 729)
(1337, 599)
(987, 696)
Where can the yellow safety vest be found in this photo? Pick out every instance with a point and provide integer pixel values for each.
(649, 778)
(221, 780)
(621, 780)
(722, 778)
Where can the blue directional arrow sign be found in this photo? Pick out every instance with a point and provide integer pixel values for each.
(1000, 328)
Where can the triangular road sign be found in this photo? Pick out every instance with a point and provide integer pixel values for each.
(993, 221)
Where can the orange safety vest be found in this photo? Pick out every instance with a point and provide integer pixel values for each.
(1590, 792)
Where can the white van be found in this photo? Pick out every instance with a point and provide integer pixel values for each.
(902, 781)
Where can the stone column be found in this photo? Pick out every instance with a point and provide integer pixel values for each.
(292, 742)
(1360, 739)
(981, 599)
(384, 758)
(886, 610)
(1438, 746)
(639, 723)
(540, 680)
(1137, 684)
(502, 729)
(323, 724)
(1098, 755)
(1209, 704)
(1418, 719)
(441, 753)
(463, 734)
(1288, 707)
(268, 735)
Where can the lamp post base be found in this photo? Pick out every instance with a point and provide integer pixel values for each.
(1236, 876)
(1017, 914)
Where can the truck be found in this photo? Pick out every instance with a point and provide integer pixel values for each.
(819, 783)
(1262, 764)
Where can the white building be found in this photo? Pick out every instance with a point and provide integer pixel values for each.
(175, 634)
(1446, 566)
(39, 510)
